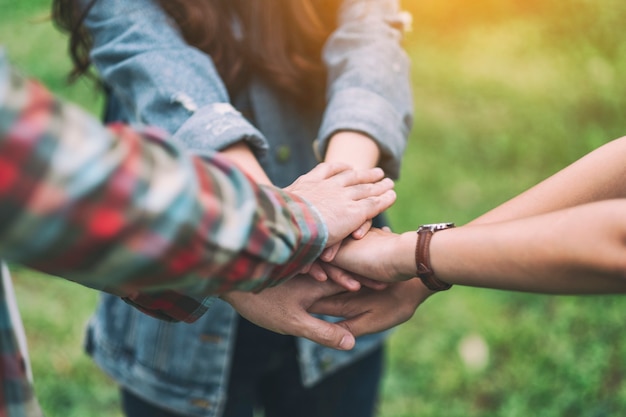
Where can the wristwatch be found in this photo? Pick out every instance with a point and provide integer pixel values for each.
(422, 256)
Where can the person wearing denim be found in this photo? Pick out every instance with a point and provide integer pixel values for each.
(223, 365)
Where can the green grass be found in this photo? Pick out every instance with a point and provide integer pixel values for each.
(506, 92)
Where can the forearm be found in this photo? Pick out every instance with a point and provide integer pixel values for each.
(572, 251)
(353, 148)
(576, 250)
(597, 176)
(241, 155)
(121, 212)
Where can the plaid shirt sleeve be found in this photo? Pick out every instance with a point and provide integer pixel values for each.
(129, 213)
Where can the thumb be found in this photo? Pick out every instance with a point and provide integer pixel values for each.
(359, 319)
(331, 335)
(361, 325)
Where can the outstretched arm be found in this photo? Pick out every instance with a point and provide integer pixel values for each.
(127, 212)
(567, 235)
(598, 175)
(579, 250)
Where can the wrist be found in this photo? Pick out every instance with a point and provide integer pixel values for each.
(404, 265)
(425, 270)
(242, 156)
(229, 296)
(353, 148)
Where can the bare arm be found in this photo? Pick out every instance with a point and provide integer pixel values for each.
(579, 250)
(353, 148)
(242, 156)
(597, 176)
(358, 151)
(572, 251)
(566, 235)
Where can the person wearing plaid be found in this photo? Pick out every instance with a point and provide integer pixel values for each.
(88, 211)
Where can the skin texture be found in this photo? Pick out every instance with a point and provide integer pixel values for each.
(345, 199)
(358, 151)
(350, 148)
(566, 235)
(284, 309)
(357, 195)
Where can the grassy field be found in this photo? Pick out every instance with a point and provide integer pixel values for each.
(507, 92)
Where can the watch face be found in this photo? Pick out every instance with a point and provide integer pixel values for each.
(437, 226)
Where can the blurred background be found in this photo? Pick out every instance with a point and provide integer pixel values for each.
(507, 92)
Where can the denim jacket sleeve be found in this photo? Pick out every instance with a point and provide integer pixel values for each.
(162, 81)
(369, 86)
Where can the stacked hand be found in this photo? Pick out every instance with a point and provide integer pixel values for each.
(345, 198)
(366, 306)
(374, 308)
(498, 250)
(348, 287)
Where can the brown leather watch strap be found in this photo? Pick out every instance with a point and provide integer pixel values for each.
(422, 257)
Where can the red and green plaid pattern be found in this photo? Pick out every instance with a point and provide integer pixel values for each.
(129, 213)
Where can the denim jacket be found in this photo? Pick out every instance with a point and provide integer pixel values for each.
(159, 80)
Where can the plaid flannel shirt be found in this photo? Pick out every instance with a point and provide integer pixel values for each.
(129, 213)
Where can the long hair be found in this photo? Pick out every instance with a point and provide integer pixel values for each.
(280, 41)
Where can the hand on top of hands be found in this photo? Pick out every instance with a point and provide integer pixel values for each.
(345, 198)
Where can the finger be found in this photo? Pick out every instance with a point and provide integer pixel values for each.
(360, 232)
(319, 290)
(370, 322)
(358, 313)
(366, 190)
(325, 170)
(330, 252)
(373, 206)
(317, 272)
(336, 306)
(341, 277)
(370, 283)
(362, 325)
(361, 176)
(350, 280)
(327, 334)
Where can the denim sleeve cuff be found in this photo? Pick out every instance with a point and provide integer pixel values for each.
(217, 126)
(363, 111)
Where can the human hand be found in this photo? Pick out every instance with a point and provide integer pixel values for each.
(330, 252)
(321, 271)
(370, 311)
(345, 198)
(284, 309)
(380, 255)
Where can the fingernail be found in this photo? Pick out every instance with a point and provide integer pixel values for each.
(353, 284)
(347, 342)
